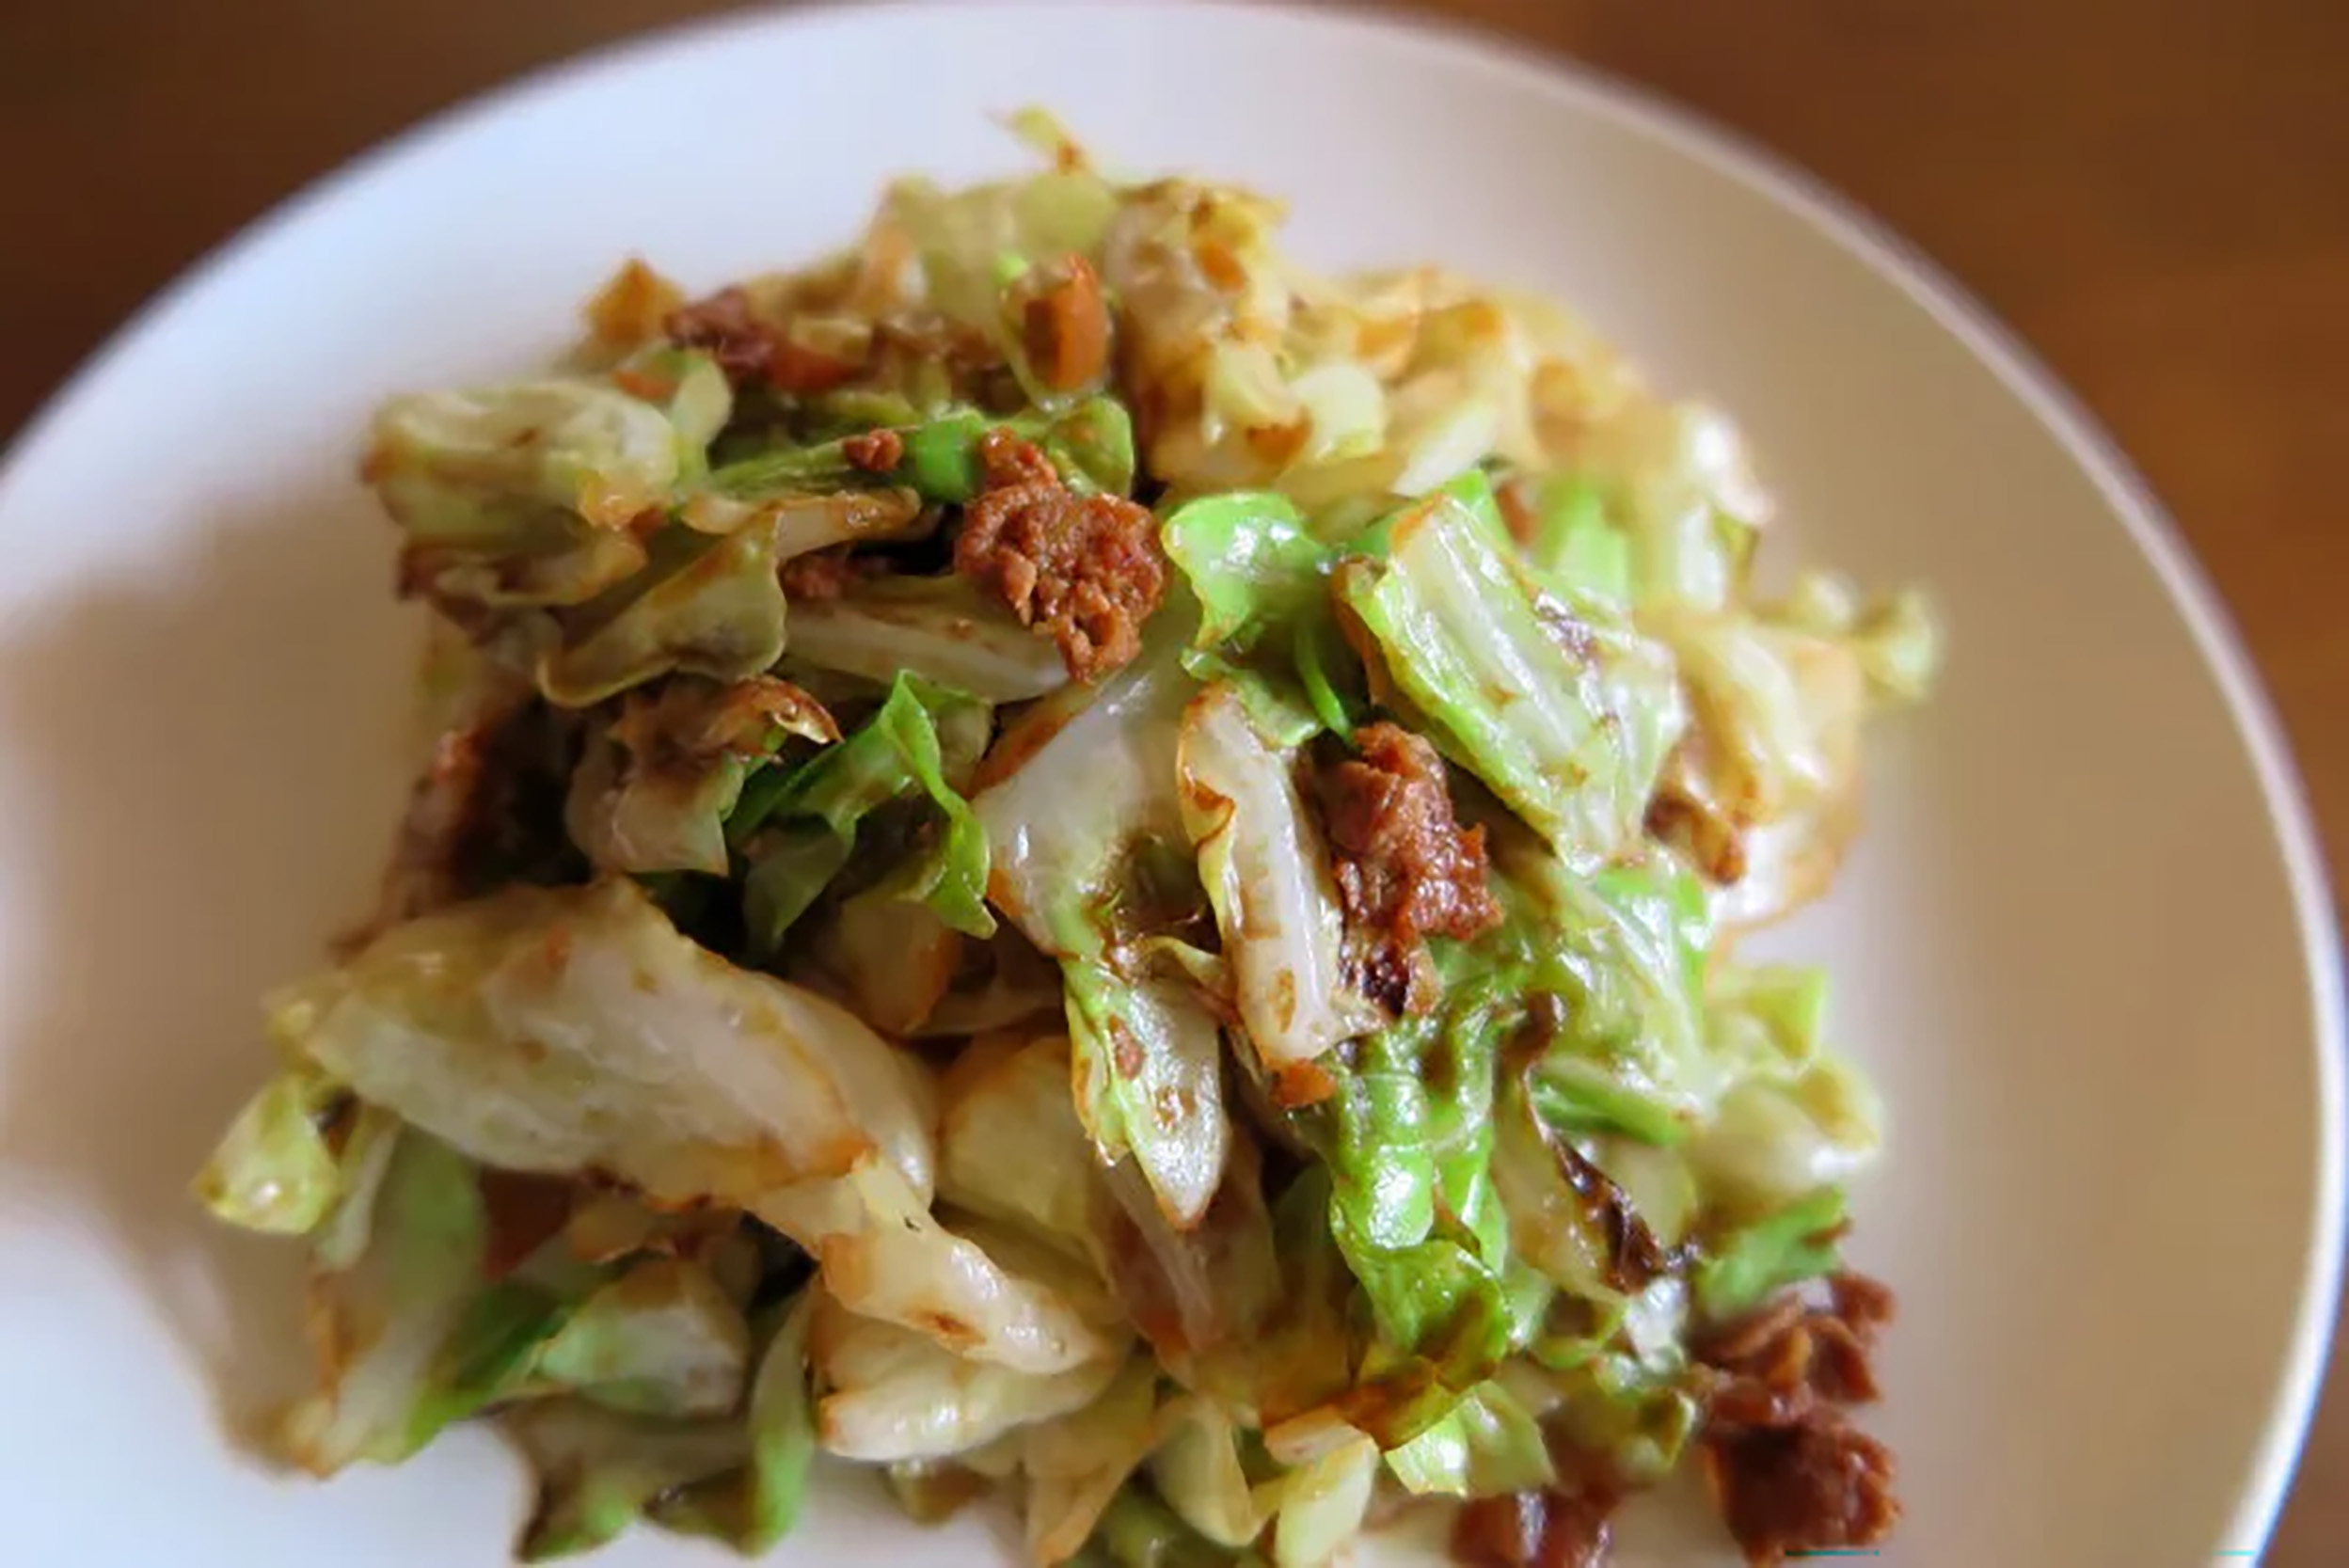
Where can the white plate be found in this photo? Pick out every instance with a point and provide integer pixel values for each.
(2084, 944)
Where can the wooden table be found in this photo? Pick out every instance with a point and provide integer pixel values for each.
(2154, 191)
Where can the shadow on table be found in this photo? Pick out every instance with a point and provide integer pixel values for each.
(206, 755)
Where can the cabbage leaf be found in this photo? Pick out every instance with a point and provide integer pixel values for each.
(565, 1030)
(523, 493)
(1076, 829)
(275, 1170)
(799, 826)
(600, 1471)
(1269, 876)
(939, 628)
(1268, 623)
(753, 1508)
(1544, 694)
(892, 1394)
(664, 1339)
(385, 1324)
(654, 788)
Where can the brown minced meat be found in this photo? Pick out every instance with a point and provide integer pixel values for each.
(1535, 1529)
(1789, 1471)
(1406, 869)
(1085, 570)
(750, 348)
(828, 573)
(876, 451)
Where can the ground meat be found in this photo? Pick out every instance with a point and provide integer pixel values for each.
(749, 347)
(1535, 1529)
(724, 325)
(1789, 1471)
(1407, 870)
(1819, 1485)
(795, 367)
(1011, 462)
(828, 573)
(1085, 569)
(1779, 1364)
(1863, 1303)
(876, 451)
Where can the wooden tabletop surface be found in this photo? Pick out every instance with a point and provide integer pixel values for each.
(2154, 193)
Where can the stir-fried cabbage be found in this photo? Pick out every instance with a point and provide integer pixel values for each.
(1077, 832)
(575, 1030)
(1010, 1146)
(526, 494)
(1268, 623)
(893, 1394)
(940, 629)
(664, 1339)
(802, 1015)
(1268, 875)
(799, 828)
(1539, 692)
(656, 784)
(1075, 1464)
(275, 1171)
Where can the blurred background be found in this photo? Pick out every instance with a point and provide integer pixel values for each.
(2154, 193)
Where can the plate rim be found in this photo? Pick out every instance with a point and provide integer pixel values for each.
(1725, 151)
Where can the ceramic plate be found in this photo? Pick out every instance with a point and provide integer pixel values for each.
(2084, 945)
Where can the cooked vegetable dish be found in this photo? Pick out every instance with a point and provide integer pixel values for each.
(1072, 860)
